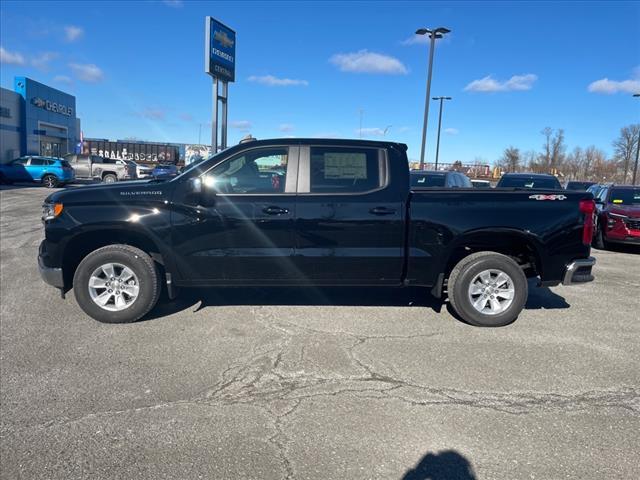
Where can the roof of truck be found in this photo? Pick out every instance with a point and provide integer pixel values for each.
(358, 142)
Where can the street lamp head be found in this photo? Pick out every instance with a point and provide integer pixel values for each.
(442, 30)
(422, 31)
(441, 98)
(636, 94)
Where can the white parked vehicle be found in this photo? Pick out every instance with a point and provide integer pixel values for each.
(142, 171)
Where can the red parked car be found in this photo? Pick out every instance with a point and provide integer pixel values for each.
(618, 215)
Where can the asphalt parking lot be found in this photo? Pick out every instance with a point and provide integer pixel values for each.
(315, 384)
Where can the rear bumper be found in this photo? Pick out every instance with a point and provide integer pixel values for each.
(579, 271)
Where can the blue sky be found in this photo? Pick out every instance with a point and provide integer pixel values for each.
(307, 69)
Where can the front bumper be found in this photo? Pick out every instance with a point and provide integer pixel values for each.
(52, 276)
(579, 271)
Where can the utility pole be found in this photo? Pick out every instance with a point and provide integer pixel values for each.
(433, 34)
(361, 112)
(442, 99)
(635, 167)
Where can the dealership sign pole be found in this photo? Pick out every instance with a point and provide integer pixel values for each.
(220, 63)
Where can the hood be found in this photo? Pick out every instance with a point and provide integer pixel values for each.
(627, 210)
(118, 192)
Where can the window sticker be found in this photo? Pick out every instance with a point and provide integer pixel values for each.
(345, 165)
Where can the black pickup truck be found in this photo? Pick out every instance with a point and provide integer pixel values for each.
(311, 212)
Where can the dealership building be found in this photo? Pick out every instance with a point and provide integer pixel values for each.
(36, 119)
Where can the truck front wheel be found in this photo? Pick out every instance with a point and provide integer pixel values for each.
(487, 289)
(117, 284)
(109, 178)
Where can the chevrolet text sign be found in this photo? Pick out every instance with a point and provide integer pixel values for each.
(220, 50)
(52, 106)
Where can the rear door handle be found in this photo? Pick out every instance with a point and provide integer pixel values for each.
(275, 210)
(382, 211)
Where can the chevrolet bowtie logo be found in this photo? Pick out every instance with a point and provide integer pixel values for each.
(223, 39)
(38, 102)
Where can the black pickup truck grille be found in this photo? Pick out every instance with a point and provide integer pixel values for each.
(633, 223)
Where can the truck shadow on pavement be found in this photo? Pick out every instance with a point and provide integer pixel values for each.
(539, 298)
(445, 465)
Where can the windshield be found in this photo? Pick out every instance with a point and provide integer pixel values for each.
(529, 182)
(193, 165)
(427, 180)
(625, 196)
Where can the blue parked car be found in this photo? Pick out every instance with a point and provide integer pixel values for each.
(49, 171)
(163, 171)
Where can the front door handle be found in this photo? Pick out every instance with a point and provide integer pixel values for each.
(382, 211)
(275, 210)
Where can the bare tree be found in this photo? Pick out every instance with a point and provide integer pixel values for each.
(553, 149)
(573, 164)
(624, 148)
(510, 161)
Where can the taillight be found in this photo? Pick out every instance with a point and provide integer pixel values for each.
(587, 207)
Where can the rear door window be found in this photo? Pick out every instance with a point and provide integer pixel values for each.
(38, 162)
(346, 170)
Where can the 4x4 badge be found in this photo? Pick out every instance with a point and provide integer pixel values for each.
(547, 197)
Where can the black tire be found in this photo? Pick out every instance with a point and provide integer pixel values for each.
(600, 243)
(109, 178)
(467, 270)
(50, 181)
(133, 258)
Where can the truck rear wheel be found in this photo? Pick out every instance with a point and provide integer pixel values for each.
(117, 284)
(487, 289)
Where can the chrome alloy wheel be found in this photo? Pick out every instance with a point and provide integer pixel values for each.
(113, 287)
(491, 292)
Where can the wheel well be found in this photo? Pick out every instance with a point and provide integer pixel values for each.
(520, 249)
(104, 174)
(83, 244)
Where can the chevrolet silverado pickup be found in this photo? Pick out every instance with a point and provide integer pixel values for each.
(296, 212)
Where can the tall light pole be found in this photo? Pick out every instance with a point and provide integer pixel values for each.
(442, 99)
(361, 112)
(635, 167)
(433, 34)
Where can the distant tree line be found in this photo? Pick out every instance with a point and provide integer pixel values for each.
(588, 163)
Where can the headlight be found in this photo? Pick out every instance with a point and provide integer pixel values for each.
(51, 211)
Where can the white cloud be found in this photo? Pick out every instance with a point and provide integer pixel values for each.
(365, 61)
(41, 62)
(173, 3)
(87, 72)
(515, 83)
(63, 79)
(73, 33)
(272, 81)
(11, 58)
(451, 131)
(187, 117)
(371, 132)
(416, 39)
(242, 125)
(153, 113)
(609, 87)
(286, 127)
